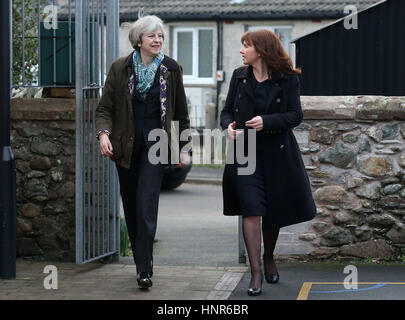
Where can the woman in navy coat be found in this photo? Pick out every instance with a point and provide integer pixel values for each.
(264, 95)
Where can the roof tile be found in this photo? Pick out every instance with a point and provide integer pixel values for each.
(172, 9)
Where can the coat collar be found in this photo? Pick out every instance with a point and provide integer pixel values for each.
(247, 72)
(168, 62)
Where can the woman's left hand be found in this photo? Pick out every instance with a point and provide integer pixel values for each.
(184, 159)
(255, 123)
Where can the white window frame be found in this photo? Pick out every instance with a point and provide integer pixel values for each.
(193, 79)
(289, 49)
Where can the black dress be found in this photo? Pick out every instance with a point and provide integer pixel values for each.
(287, 186)
(251, 188)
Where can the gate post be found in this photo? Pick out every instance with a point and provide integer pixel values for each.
(7, 163)
(113, 24)
(80, 63)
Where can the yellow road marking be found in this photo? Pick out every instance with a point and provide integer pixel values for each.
(306, 287)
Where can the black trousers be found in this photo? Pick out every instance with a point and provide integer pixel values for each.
(140, 190)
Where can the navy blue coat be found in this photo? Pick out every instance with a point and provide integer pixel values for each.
(288, 189)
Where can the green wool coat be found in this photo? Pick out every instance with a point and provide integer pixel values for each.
(114, 111)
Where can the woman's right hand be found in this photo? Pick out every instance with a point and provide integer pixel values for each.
(105, 145)
(232, 133)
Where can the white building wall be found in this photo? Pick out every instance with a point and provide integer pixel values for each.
(233, 33)
(125, 45)
(200, 95)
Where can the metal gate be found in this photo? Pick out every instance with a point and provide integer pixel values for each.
(97, 188)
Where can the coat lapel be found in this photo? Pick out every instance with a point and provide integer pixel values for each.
(274, 90)
(248, 88)
(277, 84)
(164, 72)
(130, 80)
(247, 84)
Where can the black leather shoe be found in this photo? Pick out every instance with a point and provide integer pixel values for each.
(144, 281)
(254, 291)
(272, 278)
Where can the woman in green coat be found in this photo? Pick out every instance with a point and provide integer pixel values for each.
(143, 93)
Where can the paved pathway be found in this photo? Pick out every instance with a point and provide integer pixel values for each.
(116, 281)
(196, 257)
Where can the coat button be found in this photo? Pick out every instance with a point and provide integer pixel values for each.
(278, 100)
(282, 146)
(237, 110)
(244, 80)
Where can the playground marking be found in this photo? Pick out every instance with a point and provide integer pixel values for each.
(306, 287)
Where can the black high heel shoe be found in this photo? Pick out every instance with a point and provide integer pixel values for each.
(270, 278)
(256, 291)
(144, 281)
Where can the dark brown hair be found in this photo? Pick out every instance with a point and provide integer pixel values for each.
(269, 46)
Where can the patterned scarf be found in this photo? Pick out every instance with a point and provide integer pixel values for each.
(145, 75)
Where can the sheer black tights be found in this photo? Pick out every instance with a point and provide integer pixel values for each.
(270, 237)
(252, 237)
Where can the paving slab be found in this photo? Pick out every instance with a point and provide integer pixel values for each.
(115, 281)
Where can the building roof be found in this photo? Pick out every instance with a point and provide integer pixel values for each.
(239, 9)
(171, 10)
(377, 3)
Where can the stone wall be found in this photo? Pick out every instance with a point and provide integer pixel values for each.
(353, 149)
(43, 143)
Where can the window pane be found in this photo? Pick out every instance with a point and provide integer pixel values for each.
(185, 51)
(283, 33)
(205, 53)
(285, 38)
(260, 27)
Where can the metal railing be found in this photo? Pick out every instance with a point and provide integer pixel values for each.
(97, 189)
(71, 43)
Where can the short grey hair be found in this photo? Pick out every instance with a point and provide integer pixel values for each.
(144, 25)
